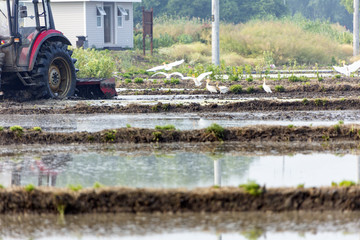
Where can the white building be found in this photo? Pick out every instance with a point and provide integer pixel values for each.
(105, 24)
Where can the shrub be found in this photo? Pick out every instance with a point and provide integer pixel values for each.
(128, 80)
(217, 130)
(279, 88)
(138, 80)
(157, 136)
(168, 127)
(234, 78)
(94, 63)
(250, 79)
(305, 101)
(252, 188)
(235, 88)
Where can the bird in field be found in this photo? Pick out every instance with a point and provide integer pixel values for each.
(266, 87)
(222, 89)
(211, 89)
(348, 69)
(165, 66)
(168, 75)
(197, 80)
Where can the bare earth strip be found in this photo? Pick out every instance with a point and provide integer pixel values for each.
(131, 200)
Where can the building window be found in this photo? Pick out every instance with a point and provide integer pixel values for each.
(127, 17)
(99, 13)
(121, 12)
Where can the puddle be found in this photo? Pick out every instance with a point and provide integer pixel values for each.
(296, 225)
(178, 167)
(182, 121)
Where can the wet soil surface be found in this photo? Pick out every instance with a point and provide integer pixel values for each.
(211, 200)
(103, 225)
(111, 107)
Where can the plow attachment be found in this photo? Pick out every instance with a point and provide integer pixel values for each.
(96, 88)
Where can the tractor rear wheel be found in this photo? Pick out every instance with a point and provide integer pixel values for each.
(54, 72)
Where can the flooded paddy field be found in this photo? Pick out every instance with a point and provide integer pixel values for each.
(179, 165)
(292, 225)
(298, 170)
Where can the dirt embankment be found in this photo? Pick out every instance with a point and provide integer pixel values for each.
(137, 135)
(128, 200)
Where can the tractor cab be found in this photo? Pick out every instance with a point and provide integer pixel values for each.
(35, 59)
(33, 55)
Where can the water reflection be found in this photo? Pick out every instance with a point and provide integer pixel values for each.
(295, 225)
(177, 168)
(24, 171)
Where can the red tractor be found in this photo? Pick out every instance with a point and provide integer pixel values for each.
(35, 59)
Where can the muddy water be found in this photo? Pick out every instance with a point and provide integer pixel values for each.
(187, 121)
(180, 166)
(293, 225)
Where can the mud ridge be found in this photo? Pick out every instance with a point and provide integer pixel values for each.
(136, 200)
(240, 106)
(255, 133)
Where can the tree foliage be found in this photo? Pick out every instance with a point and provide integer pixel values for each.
(234, 11)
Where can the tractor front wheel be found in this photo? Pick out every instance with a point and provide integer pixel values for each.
(54, 72)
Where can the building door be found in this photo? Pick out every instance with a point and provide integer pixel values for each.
(108, 24)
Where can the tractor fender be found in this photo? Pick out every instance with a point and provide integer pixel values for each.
(48, 35)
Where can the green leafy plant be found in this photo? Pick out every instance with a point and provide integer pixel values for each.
(94, 63)
(29, 187)
(157, 136)
(301, 185)
(291, 126)
(74, 188)
(61, 209)
(138, 80)
(17, 130)
(98, 185)
(344, 183)
(37, 129)
(250, 89)
(252, 188)
(217, 130)
(110, 135)
(128, 80)
(174, 81)
(167, 127)
(235, 88)
(305, 101)
(2, 186)
(279, 88)
(1, 128)
(341, 122)
(128, 125)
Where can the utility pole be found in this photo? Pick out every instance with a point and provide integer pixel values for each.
(356, 28)
(215, 33)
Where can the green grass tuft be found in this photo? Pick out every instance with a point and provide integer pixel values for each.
(252, 188)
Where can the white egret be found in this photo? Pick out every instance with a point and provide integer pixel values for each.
(165, 66)
(168, 75)
(266, 87)
(222, 89)
(197, 80)
(348, 69)
(211, 89)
